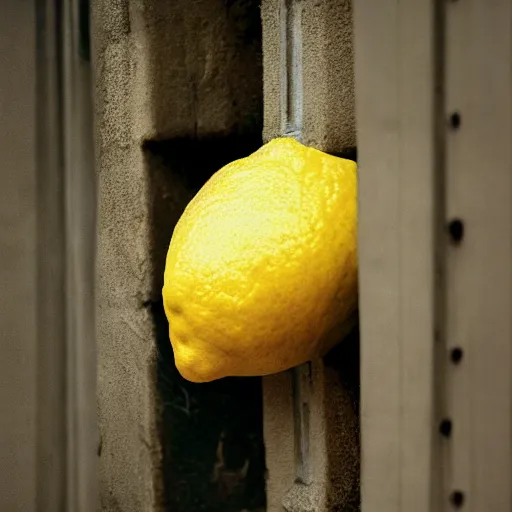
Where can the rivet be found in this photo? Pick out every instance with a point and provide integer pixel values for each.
(445, 428)
(455, 120)
(457, 499)
(456, 355)
(456, 230)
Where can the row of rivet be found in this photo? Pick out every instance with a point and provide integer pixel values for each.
(456, 233)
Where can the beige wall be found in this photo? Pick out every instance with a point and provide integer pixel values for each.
(17, 257)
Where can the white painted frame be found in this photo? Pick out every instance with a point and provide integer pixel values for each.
(422, 295)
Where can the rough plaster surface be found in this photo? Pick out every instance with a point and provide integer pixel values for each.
(129, 451)
(197, 71)
(162, 70)
(326, 45)
(334, 437)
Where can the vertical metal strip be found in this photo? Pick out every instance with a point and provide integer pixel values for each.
(291, 68)
(302, 409)
(291, 116)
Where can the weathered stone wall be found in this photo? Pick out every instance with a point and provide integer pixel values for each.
(167, 74)
(179, 88)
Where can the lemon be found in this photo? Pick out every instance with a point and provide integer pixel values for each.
(261, 271)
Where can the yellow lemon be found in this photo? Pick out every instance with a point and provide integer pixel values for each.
(261, 272)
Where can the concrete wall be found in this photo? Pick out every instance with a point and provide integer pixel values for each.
(179, 92)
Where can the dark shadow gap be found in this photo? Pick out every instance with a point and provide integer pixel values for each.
(212, 434)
